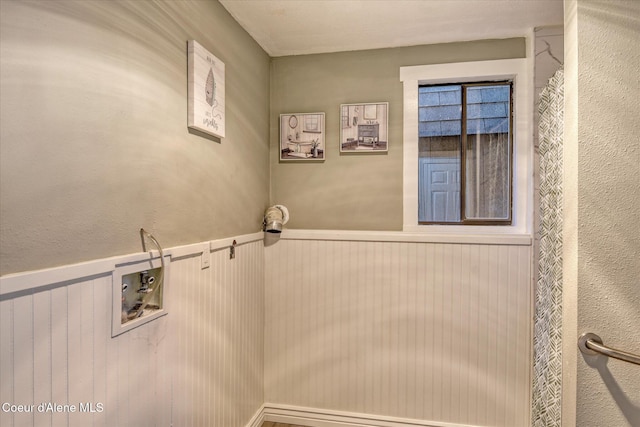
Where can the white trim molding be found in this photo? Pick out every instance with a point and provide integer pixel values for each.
(407, 237)
(20, 282)
(520, 71)
(257, 419)
(315, 417)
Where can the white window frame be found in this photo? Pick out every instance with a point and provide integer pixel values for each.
(519, 71)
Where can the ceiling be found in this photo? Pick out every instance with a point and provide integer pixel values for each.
(294, 27)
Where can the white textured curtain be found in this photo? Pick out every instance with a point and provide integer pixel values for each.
(547, 343)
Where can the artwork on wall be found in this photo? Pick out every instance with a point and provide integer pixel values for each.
(364, 127)
(206, 107)
(302, 137)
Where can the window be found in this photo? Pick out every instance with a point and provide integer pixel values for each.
(312, 123)
(489, 105)
(464, 153)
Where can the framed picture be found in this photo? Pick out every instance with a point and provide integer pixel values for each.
(302, 137)
(364, 127)
(205, 91)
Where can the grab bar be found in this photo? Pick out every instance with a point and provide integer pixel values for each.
(590, 343)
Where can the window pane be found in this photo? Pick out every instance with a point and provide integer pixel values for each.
(487, 153)
(440, 119)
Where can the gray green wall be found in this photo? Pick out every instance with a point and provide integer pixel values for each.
(353, 191)
(94, 142)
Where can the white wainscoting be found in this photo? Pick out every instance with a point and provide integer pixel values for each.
(356, 328)
(202, 364)
(416, 330)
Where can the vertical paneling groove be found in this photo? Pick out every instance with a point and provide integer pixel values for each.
(209, 339)
(495, 324)
(361, 327)
(203, 341)
(6, 359)
(202, 364)
(465, 346)
(414, 351)
(217, 367)
(111, 363)
(178, 391)
(296, 358)
(431, 331)
(23, 357)
(101, 338)
(340, 303)
(191, 331)
(438, 328)
(59, 375)
(41, 355)
(456, 301)
(197, 339)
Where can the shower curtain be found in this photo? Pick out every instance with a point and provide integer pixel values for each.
(547, 342)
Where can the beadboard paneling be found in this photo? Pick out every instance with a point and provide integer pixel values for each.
(428, 331)
(202, 364)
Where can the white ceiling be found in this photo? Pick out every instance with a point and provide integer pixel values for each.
(293, 27)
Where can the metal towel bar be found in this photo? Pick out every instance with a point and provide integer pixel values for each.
(590, 343)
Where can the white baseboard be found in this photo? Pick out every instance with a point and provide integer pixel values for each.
(315, 417)
(257, 419)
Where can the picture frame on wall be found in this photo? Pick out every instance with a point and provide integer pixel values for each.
(206, 91)
(364, 127)
(302, 137)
